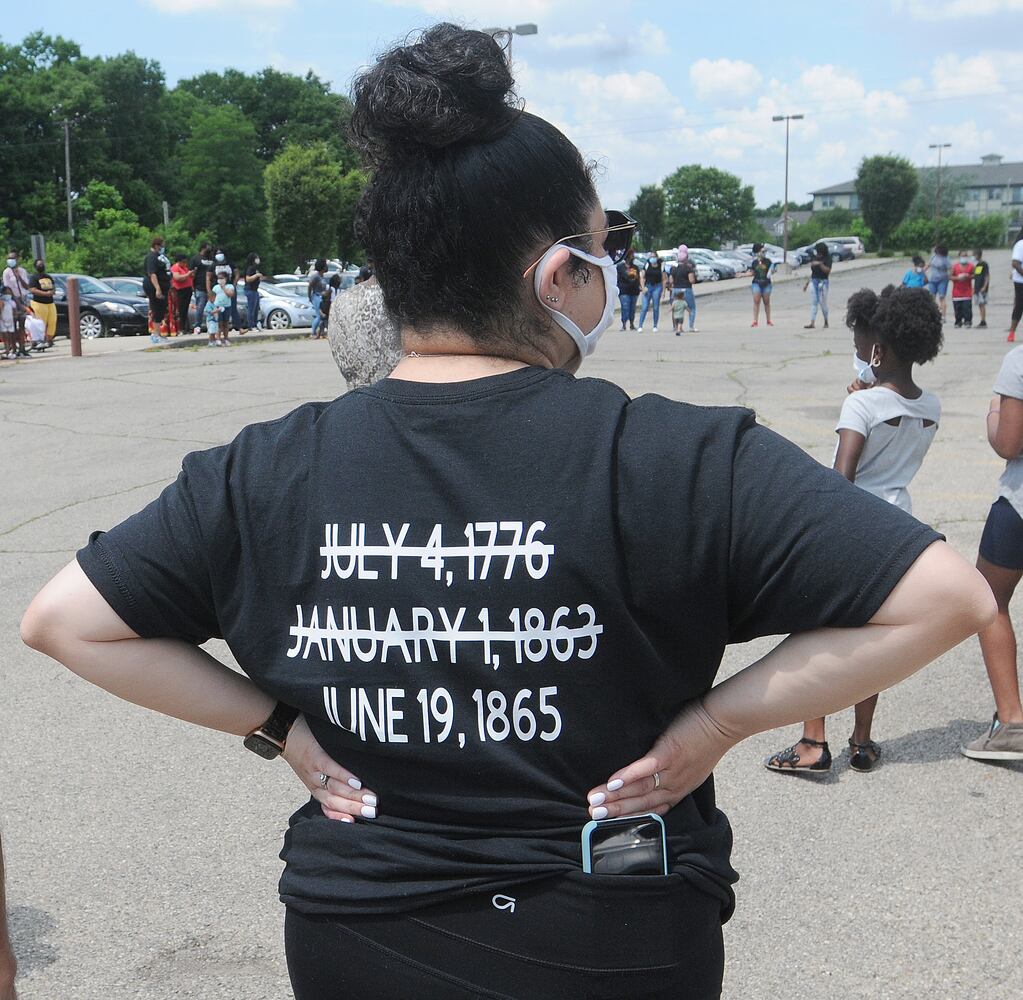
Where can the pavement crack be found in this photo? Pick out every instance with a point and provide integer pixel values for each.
(76, 503)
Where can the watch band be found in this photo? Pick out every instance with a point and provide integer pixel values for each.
(279, 723)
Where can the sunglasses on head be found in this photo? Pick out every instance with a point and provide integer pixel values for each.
(620, 228)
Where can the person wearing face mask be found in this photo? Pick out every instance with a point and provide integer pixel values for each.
(482, 601)
(41, 285)
(223, 268)
(253, 276)
(156, 283)
(15, 279)
(886, 426)
(820, 280)
(182, 283)
(916, 276)
(13, 347)
(962, 290)
(201, 265)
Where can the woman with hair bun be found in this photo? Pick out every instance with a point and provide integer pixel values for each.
(497, 595)
(885, 429)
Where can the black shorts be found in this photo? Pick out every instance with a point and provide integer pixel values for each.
(1002, 541)
(576, 937)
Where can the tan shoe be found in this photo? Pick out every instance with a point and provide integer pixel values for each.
(1003, 741)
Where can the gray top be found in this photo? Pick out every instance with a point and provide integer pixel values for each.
(891, 455)
(365, 341)
(1010, 383)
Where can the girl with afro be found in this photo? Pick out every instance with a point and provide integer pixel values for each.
(886, 425)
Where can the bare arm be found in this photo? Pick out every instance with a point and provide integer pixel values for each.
(940, 601)
(850, 447)
(71, 622)
(8, 966)
(1005, 426)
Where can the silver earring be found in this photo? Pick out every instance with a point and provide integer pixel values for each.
(551, 298)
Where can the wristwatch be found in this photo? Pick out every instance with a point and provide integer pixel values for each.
(268, 739)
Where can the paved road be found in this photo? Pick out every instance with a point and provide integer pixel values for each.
(142, 853)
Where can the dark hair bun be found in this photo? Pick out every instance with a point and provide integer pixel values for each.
(453, 85)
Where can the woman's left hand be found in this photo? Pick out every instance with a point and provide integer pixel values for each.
(342, 797)
(682, 759)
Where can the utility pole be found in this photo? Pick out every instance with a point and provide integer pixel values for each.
(166, 215)
(785, 210)
(519, 29)
(67, 175)
(939, 146)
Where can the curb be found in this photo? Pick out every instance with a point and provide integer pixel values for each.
(199, 340)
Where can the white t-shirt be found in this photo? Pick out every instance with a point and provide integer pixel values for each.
(1010, 383)
(1017, 254)
(891, 455)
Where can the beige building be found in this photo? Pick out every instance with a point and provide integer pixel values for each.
(987, 187)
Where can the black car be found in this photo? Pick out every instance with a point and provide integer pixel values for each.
(104, 311)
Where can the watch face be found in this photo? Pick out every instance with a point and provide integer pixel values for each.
(258, 743)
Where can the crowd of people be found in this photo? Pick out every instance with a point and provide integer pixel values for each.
(28, 316)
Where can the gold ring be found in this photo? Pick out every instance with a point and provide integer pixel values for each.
(657, 780)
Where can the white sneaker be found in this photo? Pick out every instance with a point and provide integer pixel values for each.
(655, 329)
(639, 329)
(693, 329)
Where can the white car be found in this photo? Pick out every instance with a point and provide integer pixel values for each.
(853, 242)
(775, 254)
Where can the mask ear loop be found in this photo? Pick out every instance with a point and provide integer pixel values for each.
(873, 363)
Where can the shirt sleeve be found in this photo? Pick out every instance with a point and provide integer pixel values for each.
(808, 549)
(1010, 375)
(154, 569)
(1017, 251)
(856, 414)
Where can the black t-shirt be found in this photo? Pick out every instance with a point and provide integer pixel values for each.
(680, 276)
(42, 288)
(980, 275)
(487, 596)
(202, 266)
(157, 269)
(628, 278)
(252, 286)
(818, 265)
(652, 274)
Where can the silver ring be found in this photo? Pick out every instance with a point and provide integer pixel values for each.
(323, 779)
(657, 780)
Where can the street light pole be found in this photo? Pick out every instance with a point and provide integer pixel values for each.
(939, 146)
(67, 176)
(785, 209)
(519, 29)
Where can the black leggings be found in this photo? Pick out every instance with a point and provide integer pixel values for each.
(1017, 305)
(577, 937)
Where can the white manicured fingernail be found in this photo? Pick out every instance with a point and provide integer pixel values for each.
(355, 783)
(613, 786)
(599, 813)
(370, 800)
(347, 819)
(370, 813)
(596, 799)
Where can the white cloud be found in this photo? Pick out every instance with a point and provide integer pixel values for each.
(194, 6)
(727, 82)
(959, 10)
(486, 13)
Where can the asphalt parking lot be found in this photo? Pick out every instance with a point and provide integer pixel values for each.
(142, 854)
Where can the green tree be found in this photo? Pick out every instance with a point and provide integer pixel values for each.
(830, 222)
(303, 192)
(886, 186)
(284, 108)
(647, 208)
(706, 206)
(953, 193)
(222, 181)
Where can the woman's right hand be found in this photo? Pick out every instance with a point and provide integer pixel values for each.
(343, 798)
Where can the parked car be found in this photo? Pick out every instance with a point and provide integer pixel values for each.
(854, 243)
(775, 253)
(840, 251)
(103, 311)
(719, 267)
(802, 255)
(125, 285)
(736, 259)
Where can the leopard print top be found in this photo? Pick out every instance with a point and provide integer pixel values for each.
(365, 341)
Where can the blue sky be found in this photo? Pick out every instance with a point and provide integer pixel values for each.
(645, 87)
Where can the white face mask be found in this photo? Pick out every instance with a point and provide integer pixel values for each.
(864, 372)
(220, 258)
(586, 342)
(12, 262)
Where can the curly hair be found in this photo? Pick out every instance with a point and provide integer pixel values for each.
(466, 187)
(860, 309)
(909, 322)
